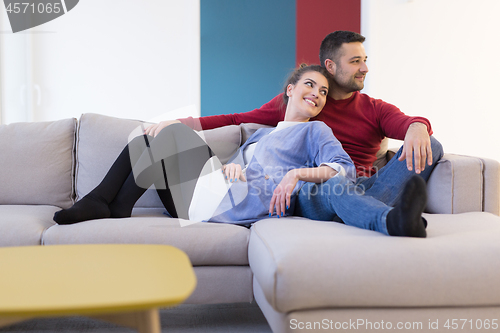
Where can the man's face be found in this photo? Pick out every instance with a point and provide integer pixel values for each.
(351, 67)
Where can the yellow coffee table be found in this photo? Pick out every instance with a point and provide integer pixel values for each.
(123, 284)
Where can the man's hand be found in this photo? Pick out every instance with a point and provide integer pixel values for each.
(417, 144)
(153, 130)
(283, 192)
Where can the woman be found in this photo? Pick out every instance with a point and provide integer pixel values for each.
(295, 152)
(269, 166)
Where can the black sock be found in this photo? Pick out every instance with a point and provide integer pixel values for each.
(88, 208)
(406, 217)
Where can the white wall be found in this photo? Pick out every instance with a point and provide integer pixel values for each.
(140, 59)
(438, 59)
(129, 59)
(13, 73)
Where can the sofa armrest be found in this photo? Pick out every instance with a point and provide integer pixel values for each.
(491, 202)
(460, 184)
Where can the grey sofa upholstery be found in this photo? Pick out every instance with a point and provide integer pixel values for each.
(301, 272)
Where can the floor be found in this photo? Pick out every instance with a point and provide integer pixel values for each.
(216, 318)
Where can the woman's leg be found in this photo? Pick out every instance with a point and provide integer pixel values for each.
(130, 192)
(173, 163)
(175, 156)
(95, 205)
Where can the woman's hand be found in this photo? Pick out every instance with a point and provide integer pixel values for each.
(154, 129)
(233, 172)
(283, 192)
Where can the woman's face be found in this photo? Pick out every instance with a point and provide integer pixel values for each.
(308, 96)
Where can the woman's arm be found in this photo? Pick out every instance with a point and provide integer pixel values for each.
(313, 175)
(283, 192)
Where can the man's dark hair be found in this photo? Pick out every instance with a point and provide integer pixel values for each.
(330, 46)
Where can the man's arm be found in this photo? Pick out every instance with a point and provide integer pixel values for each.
(268, 114)
(417, 144)
(415, 131)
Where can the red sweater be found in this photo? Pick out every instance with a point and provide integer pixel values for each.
(360, 123)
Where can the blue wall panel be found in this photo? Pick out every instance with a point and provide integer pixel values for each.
(247, 51)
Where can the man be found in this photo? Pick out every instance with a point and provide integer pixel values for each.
(360, 123)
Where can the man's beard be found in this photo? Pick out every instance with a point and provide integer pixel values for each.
(351, 85)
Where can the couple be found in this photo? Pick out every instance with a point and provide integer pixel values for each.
(342, 55)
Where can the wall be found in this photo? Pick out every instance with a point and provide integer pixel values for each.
(130, 59)
(434, 58)
(247, 48)
(437, 58)
(14, 50)
(317, 18)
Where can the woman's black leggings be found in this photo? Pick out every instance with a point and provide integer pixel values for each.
(172, 161)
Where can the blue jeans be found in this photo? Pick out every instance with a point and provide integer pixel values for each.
(366, 203)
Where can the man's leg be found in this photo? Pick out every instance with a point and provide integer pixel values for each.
(340, 198)
(387, 185)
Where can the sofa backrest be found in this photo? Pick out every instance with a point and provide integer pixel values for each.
(36, 163)
(59, 162)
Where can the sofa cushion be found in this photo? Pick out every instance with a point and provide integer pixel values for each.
(36, 164)
(302, 264)
(23, 225)
(206, 244)
(100, 139)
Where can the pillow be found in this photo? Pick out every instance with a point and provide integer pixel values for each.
(384, 155)
(247, 129)
(224, 141)
(36, 164)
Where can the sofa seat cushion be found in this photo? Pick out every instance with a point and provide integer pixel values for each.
(206, 244)
(24, 225)
(302, 264)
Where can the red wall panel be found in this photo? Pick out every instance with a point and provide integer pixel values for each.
(317, 18)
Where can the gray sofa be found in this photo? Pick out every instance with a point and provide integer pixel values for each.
(305, 275)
